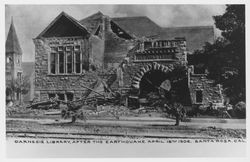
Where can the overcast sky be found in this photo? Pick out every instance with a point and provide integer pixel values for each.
(30, 20)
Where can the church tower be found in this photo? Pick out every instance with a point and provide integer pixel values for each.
(13, 63)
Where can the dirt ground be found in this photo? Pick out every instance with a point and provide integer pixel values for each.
(121, 129)
(29, 123)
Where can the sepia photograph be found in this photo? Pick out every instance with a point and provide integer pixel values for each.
(125, 75)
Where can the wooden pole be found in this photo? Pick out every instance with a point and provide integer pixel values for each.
(92, 90)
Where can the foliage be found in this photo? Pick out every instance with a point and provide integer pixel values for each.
(19, 86)
(232, 24)
(240, 110)
(225, 58)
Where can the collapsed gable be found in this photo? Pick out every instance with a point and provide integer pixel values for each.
(116, 48)
(93, 22)
(99, 24)
(64, 26)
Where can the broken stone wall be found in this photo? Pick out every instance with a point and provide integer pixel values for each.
(125, 75)
(116, 48)
(96, 51)
(210, 91)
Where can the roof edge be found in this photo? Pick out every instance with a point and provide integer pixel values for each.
(99, 12)
(189, 27)
(73, 20)
(130, 17)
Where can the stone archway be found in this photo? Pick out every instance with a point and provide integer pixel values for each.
(148, 67)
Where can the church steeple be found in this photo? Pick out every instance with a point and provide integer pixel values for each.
(13, 63)
(12, 44)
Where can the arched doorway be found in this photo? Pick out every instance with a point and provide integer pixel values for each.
(147, 68)
(170, 82)
(153, 80)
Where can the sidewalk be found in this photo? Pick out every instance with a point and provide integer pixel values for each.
(195, 123)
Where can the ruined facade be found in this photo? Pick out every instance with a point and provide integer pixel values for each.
(155, 62)
(72, 55)
(204, 91)
(13, 64)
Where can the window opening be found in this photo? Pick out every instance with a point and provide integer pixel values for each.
(61, 96)
(70, 96)
(67, 60)
(98, 30)
(53, 63)
(61, 62)
(199, 96)
(51, 95)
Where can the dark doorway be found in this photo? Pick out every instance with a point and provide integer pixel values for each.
(157, 84)
(151, 82)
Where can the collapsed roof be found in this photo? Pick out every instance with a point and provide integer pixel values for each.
(93, 25)
(128, 28)
(142, 26)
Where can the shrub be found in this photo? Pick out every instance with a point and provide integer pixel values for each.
(240, 110)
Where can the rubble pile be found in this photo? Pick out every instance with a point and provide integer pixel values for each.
(20, 111)
(113, 111)
(153, 101)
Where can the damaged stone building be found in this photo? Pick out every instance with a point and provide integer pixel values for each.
(132, 55)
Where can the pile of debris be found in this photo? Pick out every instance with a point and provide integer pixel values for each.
(98, 95)
(153, 99)
(19, 110)
(53, 103)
